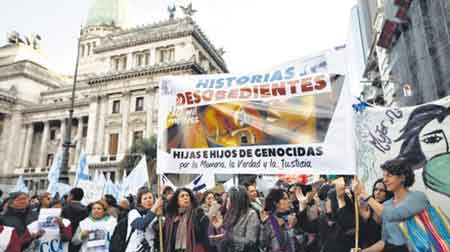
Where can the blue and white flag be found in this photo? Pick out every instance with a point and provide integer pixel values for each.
(137, 177)
(60, 188)
(123, 187)
(20, 186)
(55, 170)
(82, 172)
(165, 182)
(202, 182)
(101, 179)
(111, 188)
(198, 183)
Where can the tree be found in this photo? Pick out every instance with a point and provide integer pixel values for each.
(145, 146)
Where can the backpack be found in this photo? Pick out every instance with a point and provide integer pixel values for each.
(119, 239)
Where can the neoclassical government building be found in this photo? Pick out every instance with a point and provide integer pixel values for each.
(116, 99)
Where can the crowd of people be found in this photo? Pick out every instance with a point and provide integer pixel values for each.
(290, 218)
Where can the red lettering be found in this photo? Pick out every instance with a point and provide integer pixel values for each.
(255, 92)
(189, 98)
(264, 90)
(278, 89)
(307, 85)
(197, 98)
(321, 82)
(245, 93)
(293, 86)
(180, 99)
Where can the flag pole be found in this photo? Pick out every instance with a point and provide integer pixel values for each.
(158, 187)
(356, 203)
(161, 245)
(356, 222)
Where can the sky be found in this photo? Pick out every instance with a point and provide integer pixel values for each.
(256, 34)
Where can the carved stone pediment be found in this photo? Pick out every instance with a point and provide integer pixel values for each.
(113, 124)
(136, 121)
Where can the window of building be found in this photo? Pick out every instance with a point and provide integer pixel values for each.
(116, 107)
(139, 57)
(116, 63)
(113, 143)
(50, 159)
(166, 54)
(139, 103)
(52, 134)
(82, 50)
(85, 130)
(124, 62)
(94, 44)
(138, 136)
(42, 184)
(88, 49)
(119, 63)
(146, 58)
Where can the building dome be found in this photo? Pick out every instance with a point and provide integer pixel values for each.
(109, 13)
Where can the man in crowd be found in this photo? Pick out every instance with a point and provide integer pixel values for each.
(75, 212)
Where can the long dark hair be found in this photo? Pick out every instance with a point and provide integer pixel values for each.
(389, 194)
(417, 120)
(172, 205)
(275, 195)
(239, 205)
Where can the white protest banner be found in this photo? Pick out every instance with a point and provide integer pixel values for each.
(420, 135)
(50, 241)
(92, 191)
(279, 121)
(46, 219)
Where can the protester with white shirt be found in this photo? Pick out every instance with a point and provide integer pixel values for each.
(95, 231)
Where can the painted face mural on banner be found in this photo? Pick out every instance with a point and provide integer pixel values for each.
(426, 138)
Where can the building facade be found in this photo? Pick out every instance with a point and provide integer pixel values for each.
(410, 53)
(116, 101)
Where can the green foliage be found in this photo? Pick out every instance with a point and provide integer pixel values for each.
(145, 146)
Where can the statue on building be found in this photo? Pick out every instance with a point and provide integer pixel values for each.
(221, 51)
(188, 10)
(32, 40)
(172, 9)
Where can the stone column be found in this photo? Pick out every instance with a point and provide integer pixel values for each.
(101, 124)
(125, 108)
(79, 138)
(130, 63)
(152, 60)
(28, 145)
(44, 142)
(63, 129)
(22, 143)
(92, 125)
(149, 109)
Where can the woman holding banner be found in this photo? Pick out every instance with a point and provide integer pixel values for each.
(95, 231)
(140, 231)
(405, 204)
(186, 225)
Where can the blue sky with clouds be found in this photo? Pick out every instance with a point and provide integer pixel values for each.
(255, 34)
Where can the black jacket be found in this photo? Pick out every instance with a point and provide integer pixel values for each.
(75, 212)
